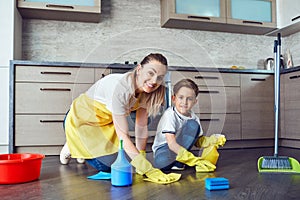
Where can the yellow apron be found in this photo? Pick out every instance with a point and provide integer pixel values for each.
(90, 131)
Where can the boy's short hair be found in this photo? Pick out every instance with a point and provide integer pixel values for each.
(186, 83)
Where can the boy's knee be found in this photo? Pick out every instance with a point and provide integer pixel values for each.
(191, 127)
(192, 124)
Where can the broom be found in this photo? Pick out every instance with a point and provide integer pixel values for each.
(276, 162)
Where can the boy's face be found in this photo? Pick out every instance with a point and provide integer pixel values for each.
(184, 101)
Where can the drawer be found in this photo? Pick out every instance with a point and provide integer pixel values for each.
(54, 74)
(227, 124)
(207, 78)
(218, 100)
(101, 72)
(39, 130)
(46, 97)
(257, 88)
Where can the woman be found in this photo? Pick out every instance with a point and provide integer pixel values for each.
(97, 119)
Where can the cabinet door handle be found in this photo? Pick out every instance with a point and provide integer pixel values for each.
(210, 120)
(252, 22)
(57, 73)
(294, 77)
(258, 79)
(295, 18)
(55, 89)
(206, 77)
(51, 121)
(59, 6)
(198, 17)
(208, 92)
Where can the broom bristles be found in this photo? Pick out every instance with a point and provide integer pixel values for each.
(276, 162)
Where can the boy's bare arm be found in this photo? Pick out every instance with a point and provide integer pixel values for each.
(171, 140)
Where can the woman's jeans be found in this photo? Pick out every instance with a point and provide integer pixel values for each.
(102, 163)
(164, 158)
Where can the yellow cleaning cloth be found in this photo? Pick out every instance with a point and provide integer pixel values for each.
(173, 177)
(213, 140)
(211, 154)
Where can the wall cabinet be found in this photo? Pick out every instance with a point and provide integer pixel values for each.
(257, 106)
(248, 16)
(252, 13)
(288, 17)
(288, 12)
(67, 10)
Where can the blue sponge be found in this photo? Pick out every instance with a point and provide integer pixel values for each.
(219, 183)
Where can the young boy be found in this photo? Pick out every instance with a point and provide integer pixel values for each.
(179, 129)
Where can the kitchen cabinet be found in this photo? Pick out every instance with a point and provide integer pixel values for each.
(288, 12)
(288, 17)
(257, 13)
(43, 95)
(66, 10)
(257, 106)
(234, 16)
(291, 105)
(237, 103)
(218, 101)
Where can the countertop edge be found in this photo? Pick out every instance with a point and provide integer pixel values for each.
(130, 66)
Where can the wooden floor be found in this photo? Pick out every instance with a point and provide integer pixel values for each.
(239, 166)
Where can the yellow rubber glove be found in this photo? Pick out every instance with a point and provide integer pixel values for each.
(213, 140)
(188, 158)
(143, 152)
(153, 174)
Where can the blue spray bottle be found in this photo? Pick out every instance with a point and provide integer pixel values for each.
(121, 170)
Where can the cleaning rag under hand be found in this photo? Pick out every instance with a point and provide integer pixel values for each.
(100, 176)
(173, 177)
(210, 145)
(216, 140)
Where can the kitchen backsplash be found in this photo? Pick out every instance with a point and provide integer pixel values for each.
(130, 29)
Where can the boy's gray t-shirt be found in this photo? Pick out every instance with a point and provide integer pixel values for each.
(171, 122)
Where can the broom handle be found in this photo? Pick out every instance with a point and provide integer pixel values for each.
(277, 89)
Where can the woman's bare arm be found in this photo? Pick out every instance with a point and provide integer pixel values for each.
(141, 129)
(121, 126)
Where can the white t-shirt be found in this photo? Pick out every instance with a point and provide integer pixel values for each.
(116, 91)
(171, 122)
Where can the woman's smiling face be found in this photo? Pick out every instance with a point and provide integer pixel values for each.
(150, 76)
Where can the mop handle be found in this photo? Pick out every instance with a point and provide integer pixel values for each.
(277, 53)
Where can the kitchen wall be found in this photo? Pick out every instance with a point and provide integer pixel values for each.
(130, 29)
(293, 44)
(10, 40)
